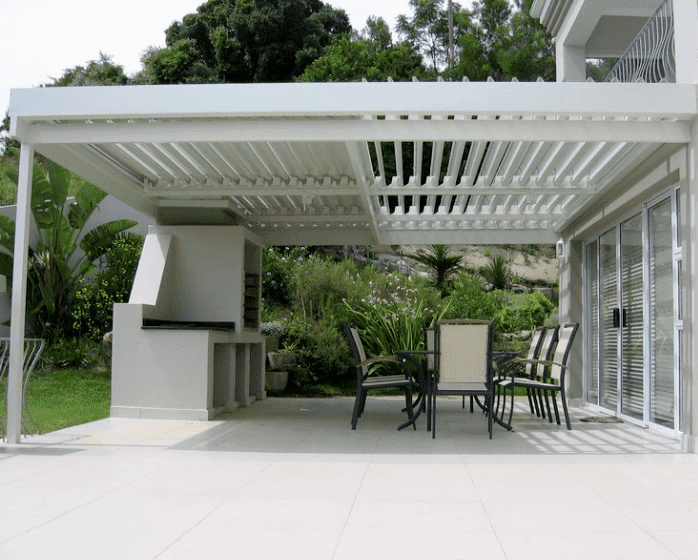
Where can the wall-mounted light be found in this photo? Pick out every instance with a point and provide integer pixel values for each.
(560, 248)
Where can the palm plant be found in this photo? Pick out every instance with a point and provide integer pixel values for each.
(442, 263)
(497, 272)
(55, 267)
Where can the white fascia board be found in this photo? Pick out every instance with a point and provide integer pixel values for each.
(351, 100)
(472, 237)
(317, 236)
(334, 130)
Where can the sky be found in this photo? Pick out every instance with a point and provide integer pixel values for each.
(42, 38)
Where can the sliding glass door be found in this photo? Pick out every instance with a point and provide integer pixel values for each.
(633, 316)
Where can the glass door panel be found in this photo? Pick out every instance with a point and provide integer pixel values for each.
(592, 306)
(632, 319)
(608, 303)
(661, 308)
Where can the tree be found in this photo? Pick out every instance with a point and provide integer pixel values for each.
(99, 72)
(372, 56)
(502, 43)
(427, 30)
(55, 266)
(246, 41)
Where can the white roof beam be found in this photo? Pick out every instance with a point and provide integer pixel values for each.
(352, 99)
(333, 130)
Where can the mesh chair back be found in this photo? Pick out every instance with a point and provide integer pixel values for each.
(534, 349)
(430, 346)
(464, 355)
(358, 349)
(562, 351)
(547, 348)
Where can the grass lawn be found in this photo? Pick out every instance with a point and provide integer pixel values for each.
(67, 397)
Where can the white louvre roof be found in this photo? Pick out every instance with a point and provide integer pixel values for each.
(332, 163)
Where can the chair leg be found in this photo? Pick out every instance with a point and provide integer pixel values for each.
(564, 408)
(530, 403)
(357, 410)
(490, 412)
(433, 417)
(553, 396)
(547, 405)
(539, 400)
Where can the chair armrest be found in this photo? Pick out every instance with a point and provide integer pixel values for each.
(410, 357)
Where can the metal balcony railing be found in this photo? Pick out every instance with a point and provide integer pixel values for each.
(650, 58)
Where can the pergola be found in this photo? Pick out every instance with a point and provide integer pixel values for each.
(347, 163)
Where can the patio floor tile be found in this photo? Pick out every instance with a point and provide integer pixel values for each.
(288, 478)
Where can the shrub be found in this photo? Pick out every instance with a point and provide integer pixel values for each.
(522, 312)
(73, 353)
(497, 272)
(323, 352)
(509, 312)
(321, 286)
(94, 299)
(468, 299)
(278, 264)
(394, 315)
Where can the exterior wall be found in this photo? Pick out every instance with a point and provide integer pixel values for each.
(656, 175)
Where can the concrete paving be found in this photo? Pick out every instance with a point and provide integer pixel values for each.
(288, 478)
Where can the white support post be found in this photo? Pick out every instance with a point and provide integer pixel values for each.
(19, 294)
(686, 41)
(570, 63)
(689, 228)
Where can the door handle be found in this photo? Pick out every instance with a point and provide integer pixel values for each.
(616, 318)
(625, 318)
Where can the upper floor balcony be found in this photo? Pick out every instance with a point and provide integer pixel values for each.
(652, 40)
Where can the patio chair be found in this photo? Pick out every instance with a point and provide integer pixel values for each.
(527, 369)
(553, 374)
(367, 379)
(463, 365)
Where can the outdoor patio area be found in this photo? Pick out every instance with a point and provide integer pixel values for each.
(288, 478)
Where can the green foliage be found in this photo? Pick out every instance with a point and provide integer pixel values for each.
(442, 263)
(427, 30)
(278, 264)
(502, 43)
(497, 272)
(509, 312)
(99, 72)
(72, 353)
(95, 298)
(8, 190)
(320, 287)
(323, 352)
(351, 60)
(69, 397)
(231, 41)
(55, 266)
(394, 315)
(598, 69)
(468, 299)
(522, 312)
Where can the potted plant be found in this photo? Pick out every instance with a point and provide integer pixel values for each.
(279, 361)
